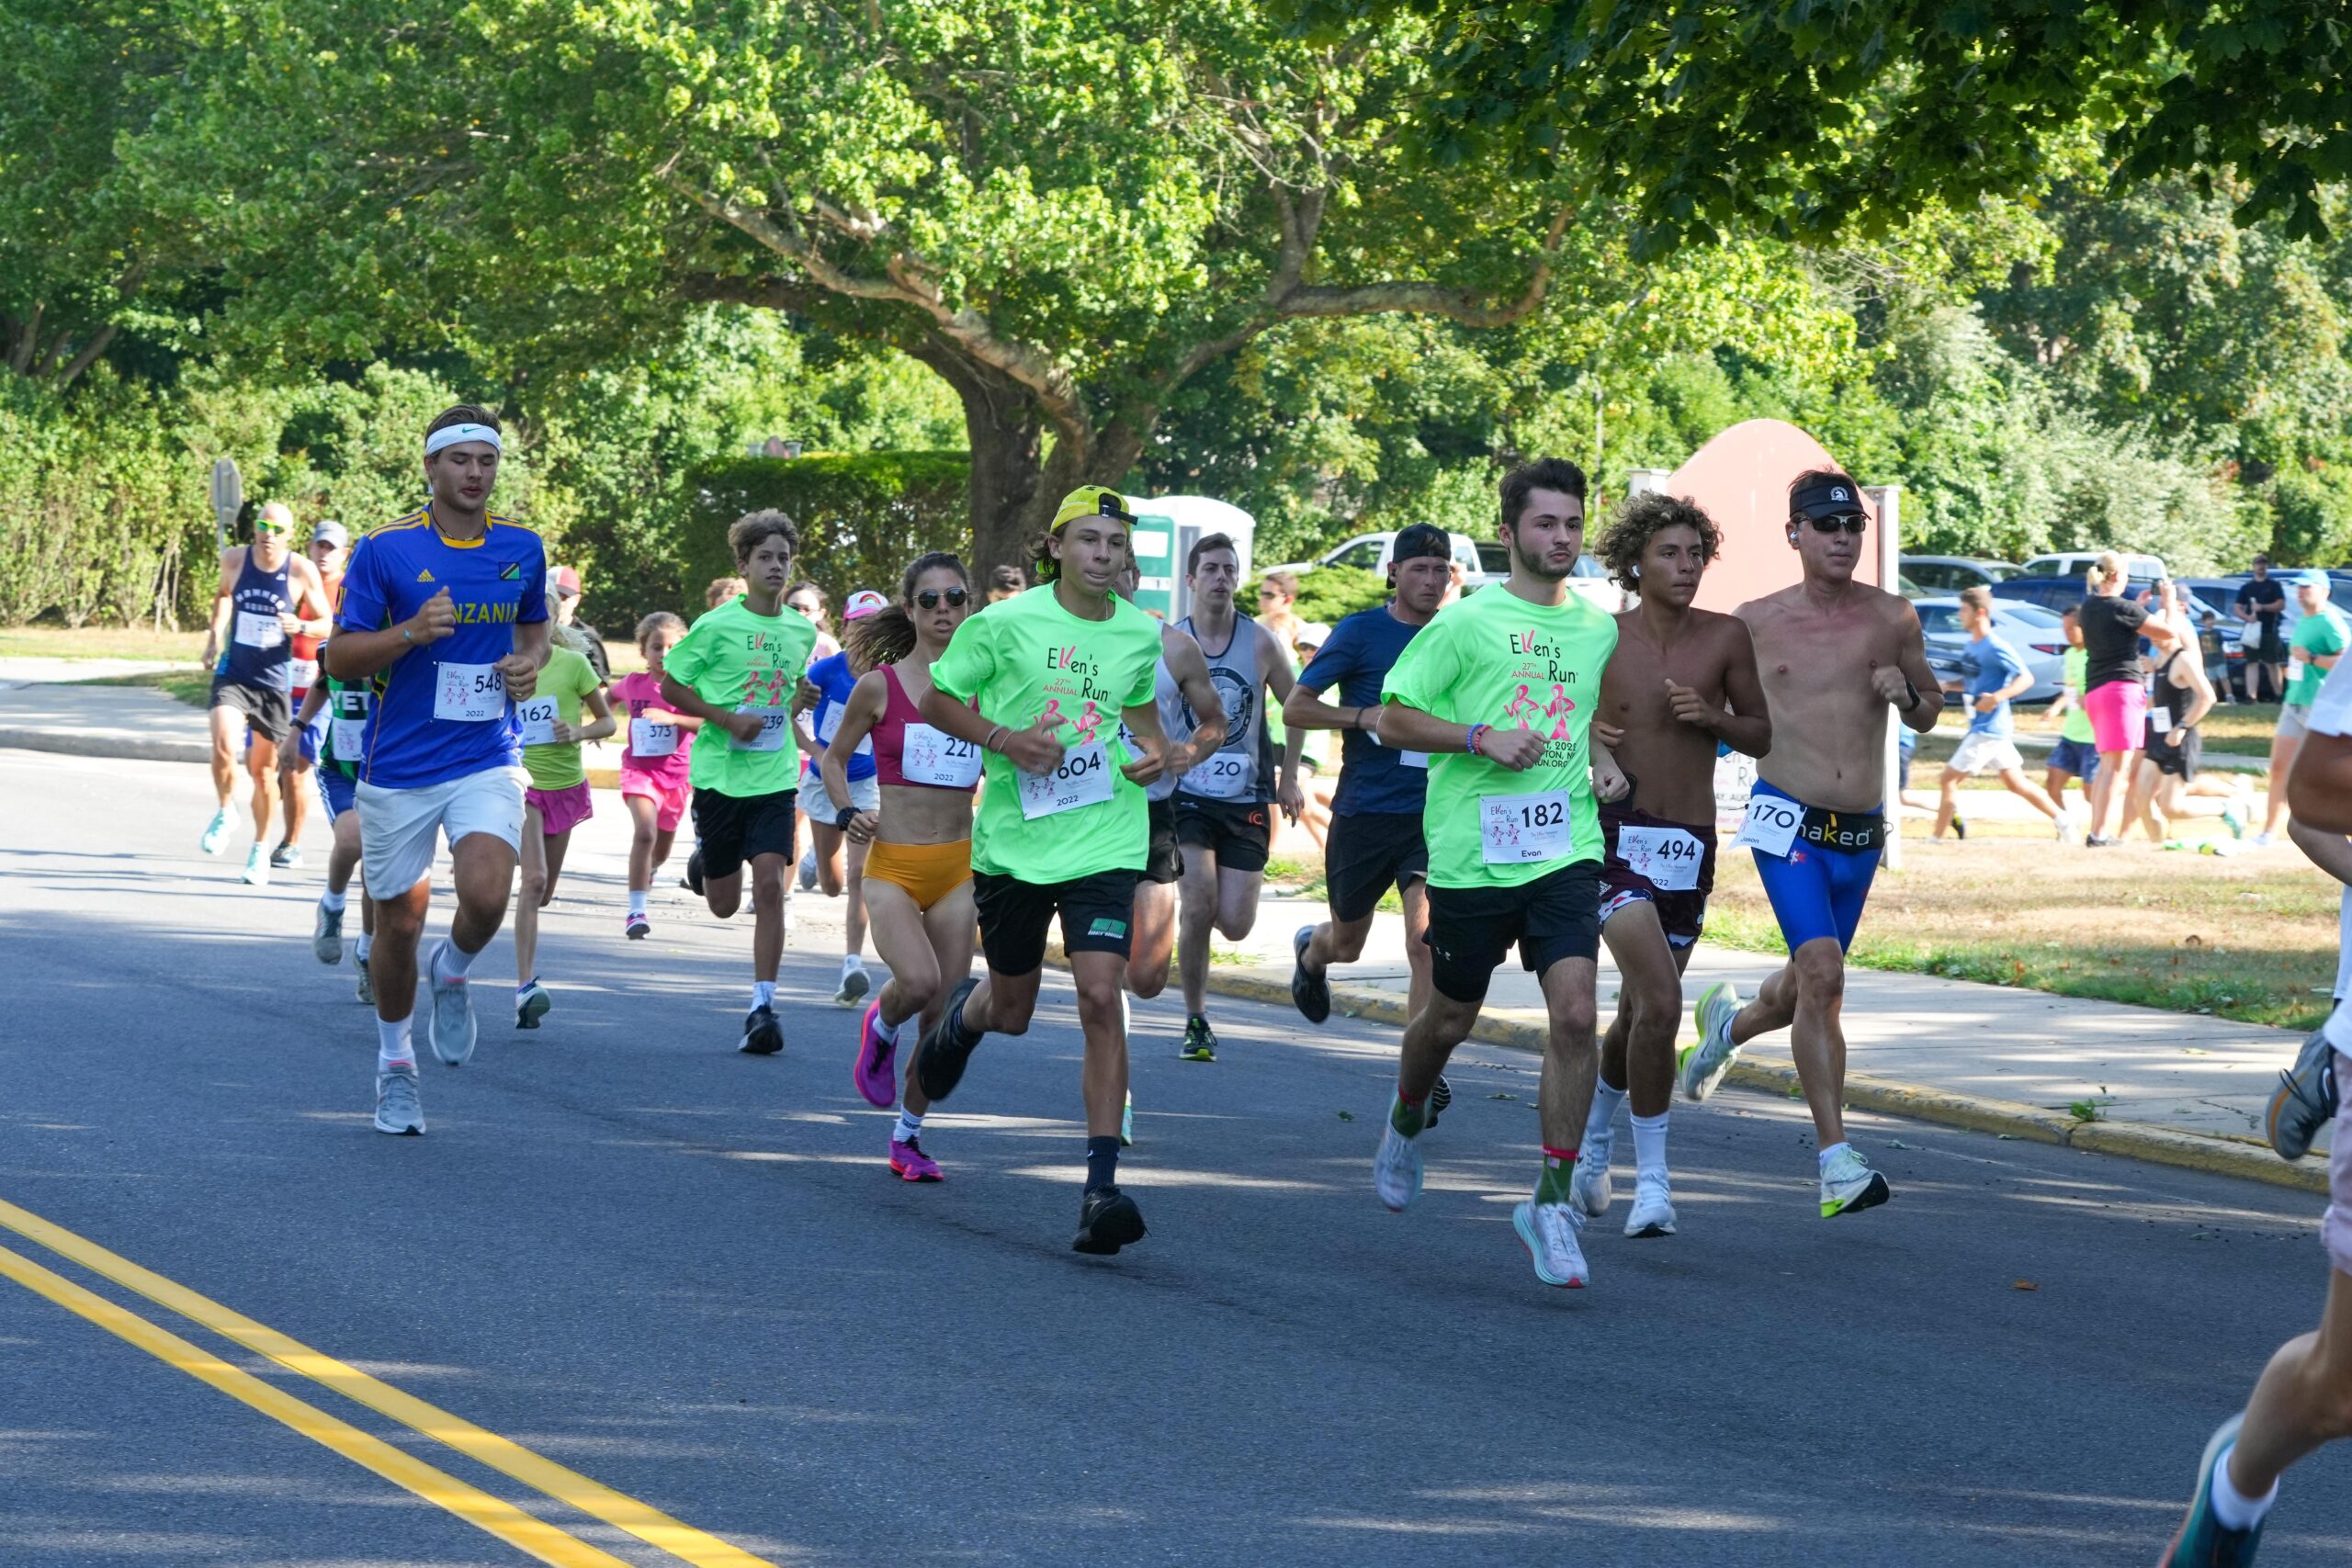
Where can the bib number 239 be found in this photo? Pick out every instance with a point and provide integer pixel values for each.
(772, 723)
(1516, 828)
(1083, 779)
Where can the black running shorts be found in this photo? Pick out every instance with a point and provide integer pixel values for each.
(733, 829)
(1235, 832)
(1471, 929)
(1366, 853)
(1163, 861)
(1097, 911)
(269, 713)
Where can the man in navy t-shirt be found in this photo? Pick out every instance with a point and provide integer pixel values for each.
(1992, 676)
(1375, 840)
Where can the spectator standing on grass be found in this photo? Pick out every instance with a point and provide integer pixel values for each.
(2261, 605)
(1993, 677)
(2318, 640)
(2112, 695)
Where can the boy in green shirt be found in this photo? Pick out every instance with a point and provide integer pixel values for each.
(1499, 688)
(2076, 754)
(1062, 827)
(736, 670)
(2319, 639)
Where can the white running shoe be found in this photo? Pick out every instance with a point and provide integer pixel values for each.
(855, 983)
(1549, 1232)
(397, 1110)
(216, 833)
(1588, 1189)
(1850, 1185)
(1397, 1168)
(1701, 1067)
(1653, 1211)
(451, 1019)
(2070, 830)
(2263, 841)
(326, 936)
(257, 867)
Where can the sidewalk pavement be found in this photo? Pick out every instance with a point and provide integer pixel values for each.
(2177, 1088)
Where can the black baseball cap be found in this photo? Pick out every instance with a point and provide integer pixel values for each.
(1839, 497)
(1421, 540)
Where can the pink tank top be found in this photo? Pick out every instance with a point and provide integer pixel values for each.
(898, 711)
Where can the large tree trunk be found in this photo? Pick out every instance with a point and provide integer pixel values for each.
(1006, 433)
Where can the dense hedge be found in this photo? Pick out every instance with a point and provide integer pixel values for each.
(862, 516)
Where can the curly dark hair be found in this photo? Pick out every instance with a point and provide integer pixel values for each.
(1641, 518)
(744, 535)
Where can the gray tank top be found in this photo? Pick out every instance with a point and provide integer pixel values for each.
(1240, 768)
(1175, 722)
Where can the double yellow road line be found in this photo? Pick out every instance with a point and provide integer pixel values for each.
(476, 1506)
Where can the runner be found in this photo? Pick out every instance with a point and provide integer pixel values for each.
(735, 670)
(1222, 801)
(557, 800)
(721, 589)
(1189, 705)
(807, 600)
(266, 594)
(587, 641)
(329, 548)
(2112, 695)
(2304, 1399)
(1681, 683)
(1499, 690)
(654, 785)
(445, 613)
(1993, 677)
(819, 701)
(1062, 825)
(2319, 638)
(917, 839)
(2183, 695)
(1835, 655)
(1007, 583)
(345, 709)
(2076, 755)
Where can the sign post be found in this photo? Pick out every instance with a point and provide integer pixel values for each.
(228, 499)
(1887, 500)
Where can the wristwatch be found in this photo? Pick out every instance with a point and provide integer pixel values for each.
(842, 818)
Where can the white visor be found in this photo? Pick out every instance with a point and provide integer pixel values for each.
(450, 434)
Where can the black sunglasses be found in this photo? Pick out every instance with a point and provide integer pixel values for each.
(1851, 522)
(930, 597)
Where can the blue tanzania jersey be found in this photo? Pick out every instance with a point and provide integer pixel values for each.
(440, 711)
(1357, 658)
(1987, 666)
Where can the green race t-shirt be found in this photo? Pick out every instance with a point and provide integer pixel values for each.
(1026, 658)
(1495, 659)
(567, 678)
(2075, 668)
(2321, 633)
(733, 659)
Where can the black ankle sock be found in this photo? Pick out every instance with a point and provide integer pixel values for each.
(1102, 1162)
(960, 1034)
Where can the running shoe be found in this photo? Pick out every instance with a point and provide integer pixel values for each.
(1850, 1185)
(1200, 1040)
(1441, 1096)
(692, 881)
(877, 1056)
(2305, 1100)
(1310, 993)
(636, 927)
(855, 983)
(216, 833)
(2203, 1540)
(1701, 1067)
(762, 1035)
(808, 868)
(287, 857)
(1653, 1212)
(1959, 825)
(1127, 1122)
(366, 989)
(531, 1004)
(1397, 1168)
(2263, 840)
(257, 867)
(326, 936)
(2068, 828)
(1107, 1221)
(2234, 818)
(397, 1110)
(1588, 1189)
(1549, 1232)
(911, 1164)
(939, 1065)
(451, 1020)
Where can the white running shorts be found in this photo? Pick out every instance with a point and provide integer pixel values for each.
(397, 827)
(1979, 752)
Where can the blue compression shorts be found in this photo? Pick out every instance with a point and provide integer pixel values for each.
(1818, 891)
(337, 789)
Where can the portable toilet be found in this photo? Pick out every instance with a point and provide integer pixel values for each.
(1167, 527)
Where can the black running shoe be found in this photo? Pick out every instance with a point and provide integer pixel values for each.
(2305, 1100)
(1441, 1096)
(1311, 993)
(939, 1065)
(1200, 1040)
(1959, 825)
(762, 1035)
(1107, 1221)
(693, 882)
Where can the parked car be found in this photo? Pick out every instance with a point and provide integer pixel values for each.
(2038, 636)
(1950, 574)
(1483, 562)
(2073, 563)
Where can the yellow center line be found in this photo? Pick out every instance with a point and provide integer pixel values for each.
(594, 1498)
(501, 1518)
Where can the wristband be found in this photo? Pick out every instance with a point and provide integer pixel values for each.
(1913, 706)
(990, 744)
(405, 637)
(1471, 740)
(843, 818)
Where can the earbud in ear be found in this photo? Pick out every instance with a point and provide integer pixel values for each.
(1637, 571)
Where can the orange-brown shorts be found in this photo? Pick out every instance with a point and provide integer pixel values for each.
(927, 872)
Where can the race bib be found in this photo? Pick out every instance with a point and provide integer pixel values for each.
(1225, 776)
(932, 756)
(469, 693)
(775, 726)
(1413, 760)
(257, 628)
(1666, 858)
(1083, 779)
(650, 737)
(303, 672)
(2159, 721)
(1771, 825)
(831, 725)
(1516, 828)
(538, 717)
(348, 733)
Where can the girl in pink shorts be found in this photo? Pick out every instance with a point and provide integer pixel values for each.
(654, 765)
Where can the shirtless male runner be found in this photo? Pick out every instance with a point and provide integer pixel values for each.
(1680, 682)
(1835, 655)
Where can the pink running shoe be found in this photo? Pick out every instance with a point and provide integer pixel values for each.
(911, 1164)
(876, 1053)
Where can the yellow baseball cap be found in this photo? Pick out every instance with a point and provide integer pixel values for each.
(1091, 500)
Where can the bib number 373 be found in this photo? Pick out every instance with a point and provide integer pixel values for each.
(1083, 779)
(1516, 828)
(1771, 825)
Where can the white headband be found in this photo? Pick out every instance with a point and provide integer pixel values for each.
(450, 434)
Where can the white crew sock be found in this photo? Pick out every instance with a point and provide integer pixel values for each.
(1602, 1118)
(330, 901)
(456, 959)
(392, 1049)
(366, 945)
(637, 900)
(1832, 1152)
(2232, 1506)
(910, 1126)
(897, 1033)
(1649, 1144)
(763, 994)
(851, 961)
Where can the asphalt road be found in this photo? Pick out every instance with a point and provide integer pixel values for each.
(689, 1276)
